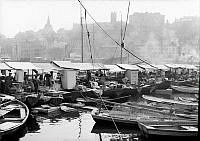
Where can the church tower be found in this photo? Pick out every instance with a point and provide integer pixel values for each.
(48, 27)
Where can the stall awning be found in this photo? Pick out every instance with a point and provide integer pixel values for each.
(47, 67)
(22, 65)
(186, 66)
(79, 66)
(3, 66)
(174, 66)
(90, 66)
(146, 67)
(65, 65)
(114, 68)
(129, 67)
(161, 67)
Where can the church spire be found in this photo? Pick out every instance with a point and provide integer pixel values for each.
(48, 21)
(48, 25)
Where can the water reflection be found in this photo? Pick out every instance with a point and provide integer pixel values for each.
(109, 133)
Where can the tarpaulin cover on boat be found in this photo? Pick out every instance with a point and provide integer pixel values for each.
(22, 65)
(129, 67)
(114, 68)
(3, 66)
(47, 67)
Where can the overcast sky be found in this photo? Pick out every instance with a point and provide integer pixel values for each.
(21, 15)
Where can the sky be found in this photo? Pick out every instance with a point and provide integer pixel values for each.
(22, 15)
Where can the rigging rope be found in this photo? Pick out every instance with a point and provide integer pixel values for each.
(112, 38)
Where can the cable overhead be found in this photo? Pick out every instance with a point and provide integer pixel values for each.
(112, 38)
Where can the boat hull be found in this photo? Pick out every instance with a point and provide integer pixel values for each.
(185, 89)
(104, 120)
(19, 124)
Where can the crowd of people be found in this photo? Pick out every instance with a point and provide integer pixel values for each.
(31, 83)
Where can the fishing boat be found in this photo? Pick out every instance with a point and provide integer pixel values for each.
(13, 115)
(128, 115)
(177, 105)
(169, 128)
(185, 89)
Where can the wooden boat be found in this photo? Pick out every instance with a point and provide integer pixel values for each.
(169, 128)
(185, 89)
(46, 109)
(74, 105)
(177, 105)
(5, 98)
(67, 109)
(13, 115)
(164, 100)
(105, 118)
(124, 114)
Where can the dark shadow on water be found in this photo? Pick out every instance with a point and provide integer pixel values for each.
(31, 125)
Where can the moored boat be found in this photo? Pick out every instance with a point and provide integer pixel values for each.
(185, 89)
(169, 128)
(13, 115)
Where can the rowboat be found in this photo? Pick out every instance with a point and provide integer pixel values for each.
(13, 115)
(128, 115)
(185, 89)
(169, 128)
(177, 105)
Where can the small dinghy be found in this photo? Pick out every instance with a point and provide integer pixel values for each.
(13, 115)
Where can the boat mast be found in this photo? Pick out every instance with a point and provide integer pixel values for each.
(122, 44)
(81, 20)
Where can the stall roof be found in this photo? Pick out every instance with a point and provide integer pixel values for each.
(161, 67)
(174, 66)
(3, 66)
(187, 66)
(90, 66)
(22, 65)
(79, 66)
(146, 67)
(65, 65)
(47, 67)
(114, 68)
(129, 67)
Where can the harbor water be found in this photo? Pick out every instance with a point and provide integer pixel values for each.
(68, 127)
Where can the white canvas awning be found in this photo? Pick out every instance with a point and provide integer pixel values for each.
(79, 66)
(146, 67)
(114, 68)
(3, 66)
(22, 65)
(90, 66)
(186, 66)
(129, 67)
(174, 66)
(161, 67)
(65, 65)
(47, 67)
